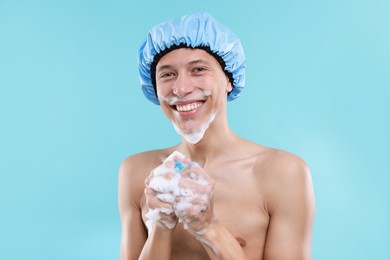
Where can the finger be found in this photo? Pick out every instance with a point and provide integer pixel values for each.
(166, 197)
(182, 207)
(190, 167)
(197, 173)
(188, 206)
(170, 224)
(166, 211)
(164, 169)
(147, 180)
(160, 215)
(153, 200)
(162, 184)
(189, 187)
(195, 221)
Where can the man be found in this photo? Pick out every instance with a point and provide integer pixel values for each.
(215, 195)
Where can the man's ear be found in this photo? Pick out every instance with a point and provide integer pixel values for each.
(229, 87)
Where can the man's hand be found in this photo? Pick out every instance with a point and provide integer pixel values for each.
(160, 198)
(180, 190)
(194, 207)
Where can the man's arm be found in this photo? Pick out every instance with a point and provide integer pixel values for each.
(135, 242)
(129, 197)
(291, 207)
(199, 219)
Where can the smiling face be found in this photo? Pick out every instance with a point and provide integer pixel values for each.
(192, 90)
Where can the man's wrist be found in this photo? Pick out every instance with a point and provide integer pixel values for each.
(159, 229)
(210, 232)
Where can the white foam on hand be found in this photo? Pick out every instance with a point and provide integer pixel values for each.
(165, 180)
(166, 197)
(153, 215)
(164, 185)
(175, 154)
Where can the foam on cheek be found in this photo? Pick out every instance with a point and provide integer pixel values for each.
(197, 134)
(170, 100)
(206, 93)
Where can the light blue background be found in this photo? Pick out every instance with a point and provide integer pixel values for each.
(71, 110)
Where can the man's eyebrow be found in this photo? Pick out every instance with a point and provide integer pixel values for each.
(194, 62)
(191, 63)
(163, 67)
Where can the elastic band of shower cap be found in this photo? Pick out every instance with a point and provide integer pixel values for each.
(199, 30)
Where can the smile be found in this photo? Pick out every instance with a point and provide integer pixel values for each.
(188, 107)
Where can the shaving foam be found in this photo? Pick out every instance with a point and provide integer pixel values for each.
(195, 135)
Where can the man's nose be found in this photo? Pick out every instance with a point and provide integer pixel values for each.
(183, 85)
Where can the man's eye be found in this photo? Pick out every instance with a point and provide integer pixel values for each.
(166, 75)
(199, 69)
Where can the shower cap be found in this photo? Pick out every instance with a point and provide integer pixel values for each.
(199, 30)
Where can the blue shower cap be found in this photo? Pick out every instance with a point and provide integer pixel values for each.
(199, 30)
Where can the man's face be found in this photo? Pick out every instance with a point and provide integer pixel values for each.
(192, 89)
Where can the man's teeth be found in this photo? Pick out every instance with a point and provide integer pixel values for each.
(188, 107)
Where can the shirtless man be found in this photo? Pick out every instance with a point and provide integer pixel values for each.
(240, 200)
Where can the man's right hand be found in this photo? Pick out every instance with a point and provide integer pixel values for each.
(159, 192)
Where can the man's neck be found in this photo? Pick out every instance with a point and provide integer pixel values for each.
(214, 143)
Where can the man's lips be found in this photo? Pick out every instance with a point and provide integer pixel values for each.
(188, 106)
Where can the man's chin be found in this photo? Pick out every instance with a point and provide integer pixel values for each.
(193, 136)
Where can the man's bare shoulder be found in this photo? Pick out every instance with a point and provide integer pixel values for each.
(140, 164)
(272, 164)
(133, 172)
(284, 174)
(282, 162)
(278, 168)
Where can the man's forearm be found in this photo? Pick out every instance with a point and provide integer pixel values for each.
(159, 244)
(220, 244)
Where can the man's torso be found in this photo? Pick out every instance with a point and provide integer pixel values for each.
(239, 204)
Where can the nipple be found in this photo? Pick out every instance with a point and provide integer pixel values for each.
(241, 241)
